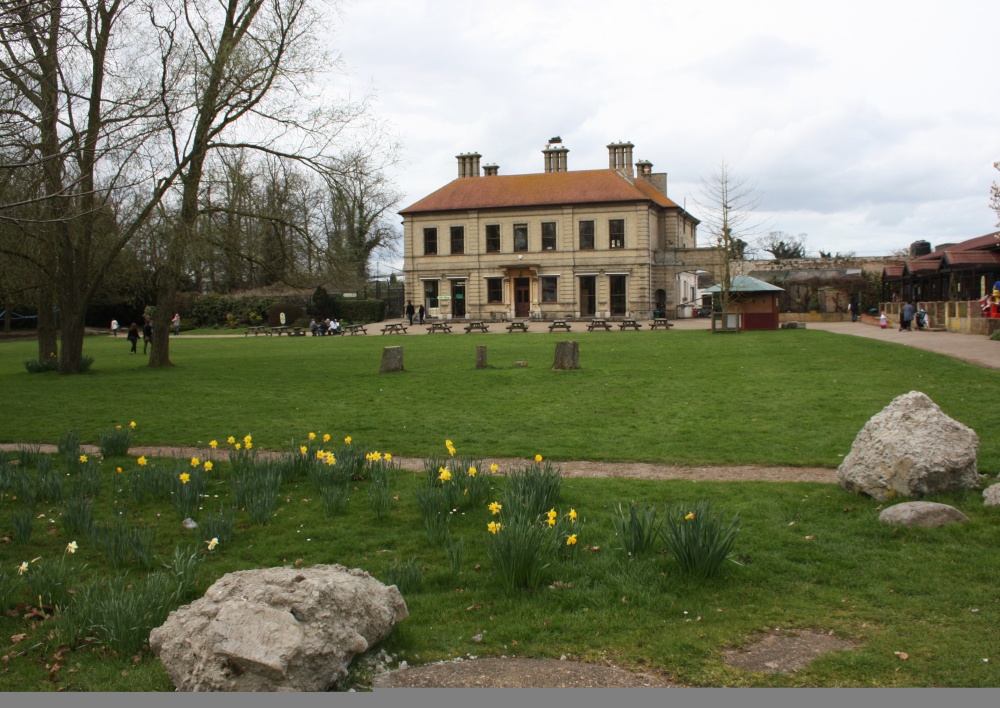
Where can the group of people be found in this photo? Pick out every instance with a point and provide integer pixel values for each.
(325, 327)
(908, 313)
(411, 312)
(147, 332)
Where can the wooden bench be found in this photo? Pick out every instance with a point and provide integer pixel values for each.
(296, 332)
(355, 329)
(660, 323)
(598, 322)
(258, 330)
(629, 322)
(517, 326)
(560, 324)
(439, 327)
(394, 328)
(281, 330)
(478, 325)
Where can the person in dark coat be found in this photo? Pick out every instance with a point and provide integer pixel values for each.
(420, 313)
(147, 334)
(133, 336)
(410, 311)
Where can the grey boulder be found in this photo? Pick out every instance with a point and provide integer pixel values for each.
(991, 495)
(921, 514)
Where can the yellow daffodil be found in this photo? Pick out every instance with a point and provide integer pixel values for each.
(118, 427)
(249, 445)
(347, 440)
(538, 458)
(368, 456)
(118, 470)
(330, 459)
(195, 462)
(185, 478)
(494, 467)
(388, 457)
(493, 526)
(132, 425)
(247, 439)
(230, 440)
(376, 456)
(689, 516)
(572, 514)
(23, 568)
(141, 461)
(571, 540)
(448, 443)
(495, 507)
(451, 451)
(237, 446)
(71, 547)
(213, 444)
(212, 544)
(312, 436)
(320, 454)
(444, 475)
(472, 471)
(83, 458)
(208, 465)
(552, 513)
(303, 449)
(326, 437)
(552, 521)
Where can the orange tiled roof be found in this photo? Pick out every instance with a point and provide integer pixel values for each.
(548, 188)
(972, 257)
(893, 271)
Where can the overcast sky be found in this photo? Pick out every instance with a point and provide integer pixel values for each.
(865, 125)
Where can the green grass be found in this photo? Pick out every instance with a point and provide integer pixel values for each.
(789, 397)
(686, 397)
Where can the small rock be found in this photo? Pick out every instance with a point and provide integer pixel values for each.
(189, 524)
(562, 658)
(521, 364)
(991, 495)
(403, 664)
(929, 514)
(478, 638)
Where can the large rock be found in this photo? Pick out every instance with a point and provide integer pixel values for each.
(276, 629)
(921, 514)
(910, 449)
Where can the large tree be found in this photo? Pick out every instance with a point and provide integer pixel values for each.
(727, 206)
(782, 245)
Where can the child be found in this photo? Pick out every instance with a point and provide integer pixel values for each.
(883, 321)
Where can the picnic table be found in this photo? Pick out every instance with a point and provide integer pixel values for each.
(439, 327)
(517, 326)
(355, 329)
(479, 325)
(258, 330)
(660, 323)
(629, 322)
(560, 324)
(394, 328)
(598, 322)
(281, 330)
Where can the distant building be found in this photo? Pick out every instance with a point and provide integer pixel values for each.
(951, 272)
(606, 242)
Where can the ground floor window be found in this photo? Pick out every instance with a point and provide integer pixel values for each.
(550, 290)
(431, 293)
(619, 301)
(494, 290)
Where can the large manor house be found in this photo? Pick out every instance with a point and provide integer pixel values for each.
(556, 244)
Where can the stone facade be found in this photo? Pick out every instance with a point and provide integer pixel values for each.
(559, 243)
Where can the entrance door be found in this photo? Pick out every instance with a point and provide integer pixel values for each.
(458, 298)
(619, 301)
(588, 296)
(522, 297)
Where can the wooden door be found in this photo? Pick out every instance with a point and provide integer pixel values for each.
(522, 297)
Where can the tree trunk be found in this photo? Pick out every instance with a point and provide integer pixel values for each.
(392, 360)
(47, 344)
(71, 338)
(166, 297)
(480, 357)
(567, 356)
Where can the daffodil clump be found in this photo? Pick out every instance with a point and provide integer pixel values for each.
(700, 539)
(116, 441)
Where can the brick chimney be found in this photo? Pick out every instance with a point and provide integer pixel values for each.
(491, 170)
(620, 158)
(468, 164)
(555, 158)
(644, 169)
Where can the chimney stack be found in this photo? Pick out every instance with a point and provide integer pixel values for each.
(491, 170)
(468, 164)
(555, 158)
(620, 158)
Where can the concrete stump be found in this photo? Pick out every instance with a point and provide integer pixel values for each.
(480, 357)
(567, 356)
(392, 360)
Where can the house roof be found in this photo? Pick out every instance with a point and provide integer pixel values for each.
(547, 188)
(972, 258)
(746, 284)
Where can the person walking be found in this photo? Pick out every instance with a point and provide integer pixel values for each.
(883, 321)
(176, 322)
(147, 334)
(133, 336)
(114, 327)
(420, 313)
(906, 316)
(854, 309)
(410, 311)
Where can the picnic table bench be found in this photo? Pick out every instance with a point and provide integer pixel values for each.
(660, 323)
(394, 328)
(598, 322)
(439, 327)
(355, 329)
(258, 330)
(560, 324)
(479, 325)
(281, 330)
(629, 322)
(517, 326)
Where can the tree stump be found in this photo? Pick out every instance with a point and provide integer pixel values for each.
(392, 360)
(480, 357)
(567, 356)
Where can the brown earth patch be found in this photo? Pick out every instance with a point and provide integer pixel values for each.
(785, 651)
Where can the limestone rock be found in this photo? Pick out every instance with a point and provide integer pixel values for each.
(921, 514)
(991, 495)
(910, 449)
(275, 629)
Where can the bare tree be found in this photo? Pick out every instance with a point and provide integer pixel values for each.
(782, 245)
(995, 195)
(727, 205)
